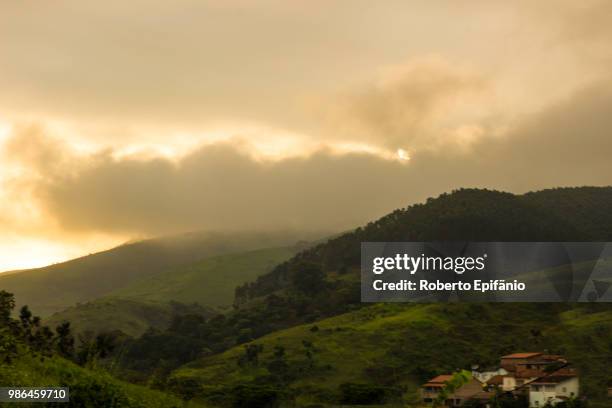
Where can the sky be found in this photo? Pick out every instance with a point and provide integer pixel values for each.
(124, 120)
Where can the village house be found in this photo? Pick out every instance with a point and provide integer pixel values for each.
(554, 388)
(523, 368)
(545, 378)
(432, 389)
(542, 378)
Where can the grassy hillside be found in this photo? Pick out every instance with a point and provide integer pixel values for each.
(132, 317)
(32, 355)
(56, 287)
(394, 348)
(210, 282)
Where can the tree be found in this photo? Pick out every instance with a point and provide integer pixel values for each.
(25, 317)
(65, 340)
(7, 304)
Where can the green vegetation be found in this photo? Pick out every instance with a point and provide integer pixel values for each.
(31, 356)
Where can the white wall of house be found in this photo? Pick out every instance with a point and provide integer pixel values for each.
(509, 383)
(484, 376)
(539, 395)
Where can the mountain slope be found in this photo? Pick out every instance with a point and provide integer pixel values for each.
(210, 282)
(53, 288)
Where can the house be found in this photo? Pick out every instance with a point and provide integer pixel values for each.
(554, 388)
(542, 378)
(485, 374)
(523, 368)
(610, 391)
(432, 389)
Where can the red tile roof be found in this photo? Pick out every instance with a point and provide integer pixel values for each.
(522, 355)
(438, 381)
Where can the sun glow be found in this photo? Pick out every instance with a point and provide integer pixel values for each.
(403, 155)
(29, 252)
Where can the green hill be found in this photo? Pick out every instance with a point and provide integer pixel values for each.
(56, 287)
(210, 282)
(395, 347)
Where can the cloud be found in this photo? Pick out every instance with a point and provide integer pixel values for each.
(218, 187)
(567, 143)
(409, 106)
(223, 187)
